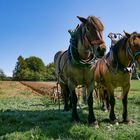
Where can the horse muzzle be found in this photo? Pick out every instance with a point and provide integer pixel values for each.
(101, 51)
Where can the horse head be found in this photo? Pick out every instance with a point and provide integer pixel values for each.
(91, 34)
(133, 45)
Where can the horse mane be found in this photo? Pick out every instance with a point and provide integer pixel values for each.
(119, 44)
(114, 51)
(96, 23)
(115, 48)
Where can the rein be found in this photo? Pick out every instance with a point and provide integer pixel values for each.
(133, 56)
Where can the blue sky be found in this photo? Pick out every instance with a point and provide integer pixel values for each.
(40, 27)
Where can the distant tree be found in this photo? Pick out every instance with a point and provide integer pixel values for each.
(2, 75)
(36, 67)
(50, 72)
(21, 69)
(30, 69)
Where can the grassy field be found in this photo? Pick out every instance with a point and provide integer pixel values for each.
(27, 115)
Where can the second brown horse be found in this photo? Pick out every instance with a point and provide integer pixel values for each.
(113, 70)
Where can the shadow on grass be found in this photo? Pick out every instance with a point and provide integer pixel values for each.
(50, 122)
(134, 100)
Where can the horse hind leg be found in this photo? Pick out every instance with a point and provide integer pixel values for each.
(106, 105)
(66, 97)
(104, 98)
(112, 114)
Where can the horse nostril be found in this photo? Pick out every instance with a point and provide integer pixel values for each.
(104, 49)
(98, 49)
(101, 50)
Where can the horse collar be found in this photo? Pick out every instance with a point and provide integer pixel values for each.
(74, 55)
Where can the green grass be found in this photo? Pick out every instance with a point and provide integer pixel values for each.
(135, 85)
(38, 118)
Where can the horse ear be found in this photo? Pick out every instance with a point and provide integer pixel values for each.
(84, 20)
(126, 34)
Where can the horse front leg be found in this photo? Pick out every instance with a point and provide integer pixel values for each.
(74, 100)
(124, 101)
(112, 104)
(91, 116)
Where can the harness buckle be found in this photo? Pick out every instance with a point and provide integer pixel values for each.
(128, 69)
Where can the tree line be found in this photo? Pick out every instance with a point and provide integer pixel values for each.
(31, 69)
(2, 75)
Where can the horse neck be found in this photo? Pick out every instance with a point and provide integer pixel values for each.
(83, 53)
(120, 53)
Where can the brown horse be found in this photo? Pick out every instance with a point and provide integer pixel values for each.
(73, 66)
(112, 72)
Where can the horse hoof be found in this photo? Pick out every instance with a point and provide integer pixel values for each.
(66, 110)
(94, 124)
(106, 110)
(129, 122)
(115, 122)
(76, 121)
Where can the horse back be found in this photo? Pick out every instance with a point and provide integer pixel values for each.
(60, 60)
